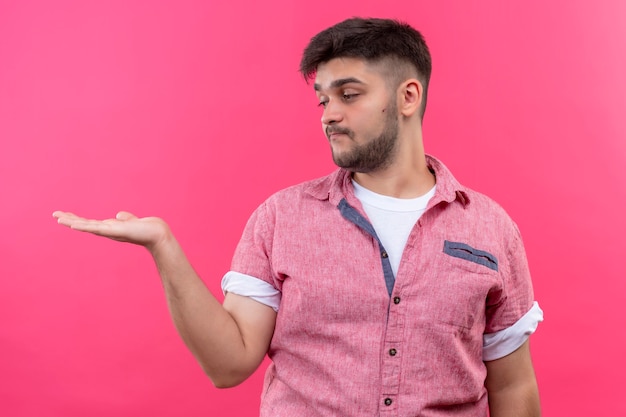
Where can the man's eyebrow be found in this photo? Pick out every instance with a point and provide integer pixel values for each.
(339, 83)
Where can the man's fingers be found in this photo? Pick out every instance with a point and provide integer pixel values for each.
(100, 227)
(63, 214)
(97, 227)
(66, 219)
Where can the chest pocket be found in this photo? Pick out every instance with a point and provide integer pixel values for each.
(455, 286)
(464, 251)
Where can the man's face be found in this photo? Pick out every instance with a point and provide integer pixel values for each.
(360, 116)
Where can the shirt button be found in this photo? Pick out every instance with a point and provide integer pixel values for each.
(393, 352)
(384, 254)
(396, 300)
(388, 401)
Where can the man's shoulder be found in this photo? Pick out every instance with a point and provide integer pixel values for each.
(471, 199)
(487, 211)
(317, 188)
(482, 201)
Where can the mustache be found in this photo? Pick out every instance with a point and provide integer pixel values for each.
(341, 130)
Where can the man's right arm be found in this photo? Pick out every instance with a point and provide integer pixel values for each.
(228, 340)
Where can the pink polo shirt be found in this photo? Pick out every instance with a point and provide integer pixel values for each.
(353, 340)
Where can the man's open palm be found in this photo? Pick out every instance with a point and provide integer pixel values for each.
(125, 227)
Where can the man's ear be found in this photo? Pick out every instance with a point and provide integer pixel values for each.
(411, 96)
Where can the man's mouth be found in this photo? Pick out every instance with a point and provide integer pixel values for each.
(334, 133)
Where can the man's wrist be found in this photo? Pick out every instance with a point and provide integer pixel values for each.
(163, 242)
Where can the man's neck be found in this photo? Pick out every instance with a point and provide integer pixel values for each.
(403, 179)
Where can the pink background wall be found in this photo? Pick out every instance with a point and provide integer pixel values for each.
(194, 111)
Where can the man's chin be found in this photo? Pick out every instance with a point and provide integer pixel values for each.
(341, 162)
(354, 168)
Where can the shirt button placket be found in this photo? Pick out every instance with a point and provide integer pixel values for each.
(392, 359)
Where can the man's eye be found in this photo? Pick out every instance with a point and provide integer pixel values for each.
(349, 96)
(322, 103)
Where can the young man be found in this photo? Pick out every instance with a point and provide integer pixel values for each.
(385, 288)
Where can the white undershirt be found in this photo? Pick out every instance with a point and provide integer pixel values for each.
(392, 218)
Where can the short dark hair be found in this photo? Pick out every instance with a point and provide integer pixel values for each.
(374, 40)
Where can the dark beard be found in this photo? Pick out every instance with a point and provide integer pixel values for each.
(377, 153)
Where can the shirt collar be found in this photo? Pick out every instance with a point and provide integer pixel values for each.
(338, 186)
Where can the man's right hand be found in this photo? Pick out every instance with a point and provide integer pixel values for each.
(125, 227)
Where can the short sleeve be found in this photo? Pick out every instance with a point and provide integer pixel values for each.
(254, 251)
(515, 296)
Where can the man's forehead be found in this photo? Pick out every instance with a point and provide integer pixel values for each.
(340, 71)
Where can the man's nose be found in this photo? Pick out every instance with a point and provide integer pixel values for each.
(332, 114)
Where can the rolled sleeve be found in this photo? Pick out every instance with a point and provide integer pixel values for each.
(249, 286)
(500, 344)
